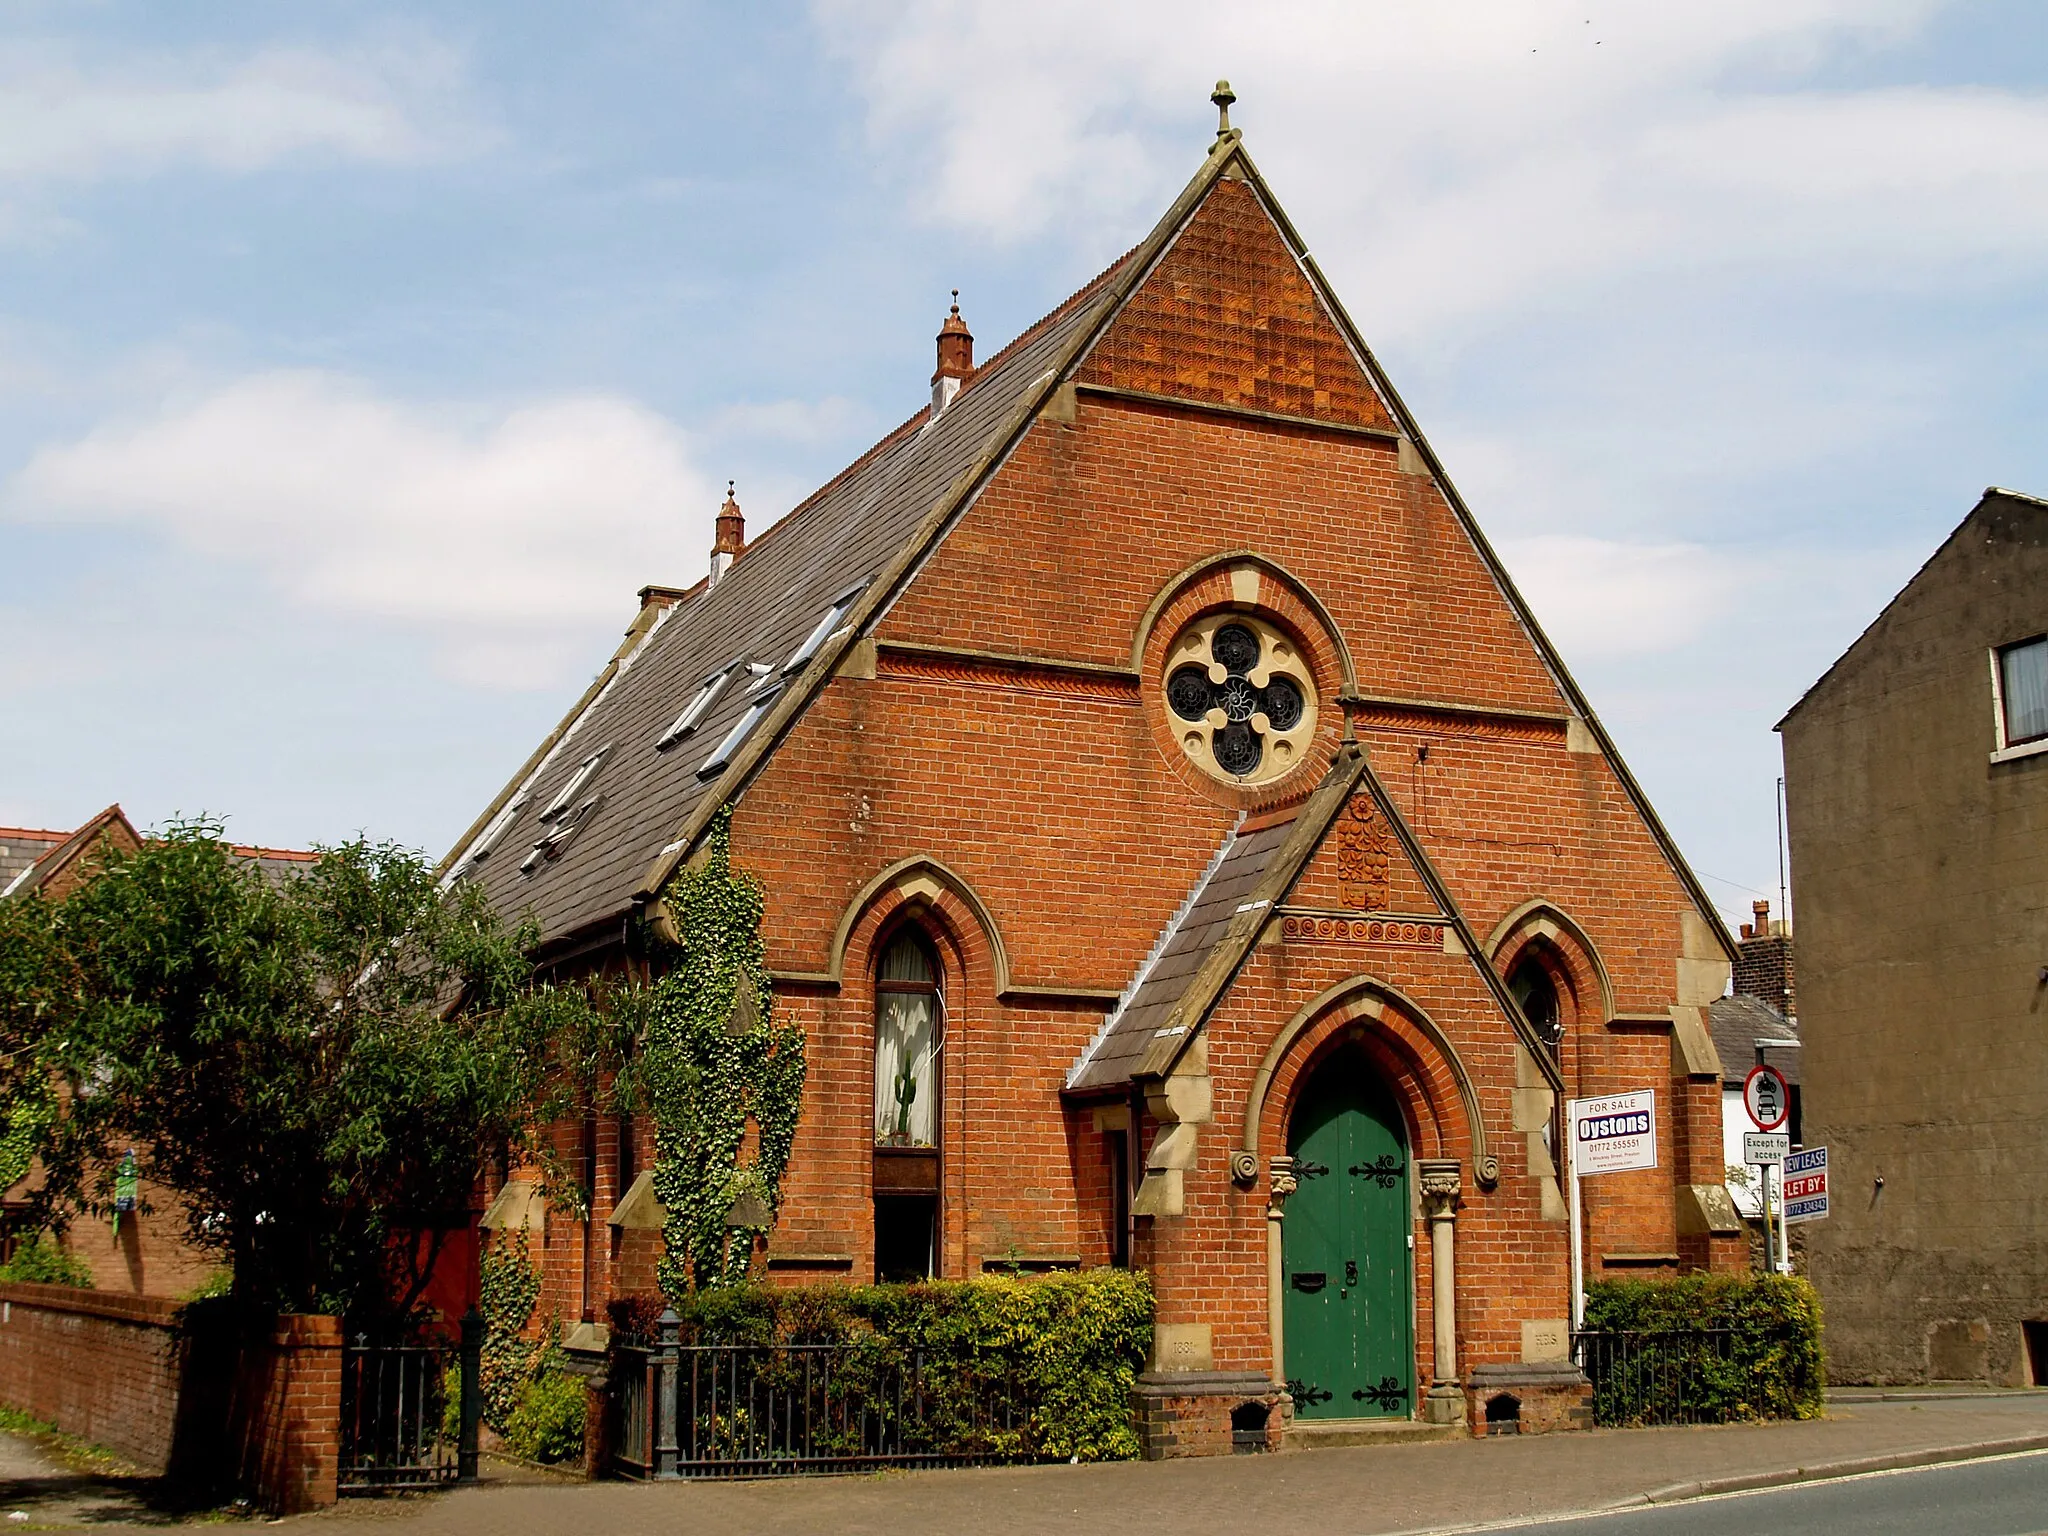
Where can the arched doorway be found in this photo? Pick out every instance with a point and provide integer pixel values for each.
(1348, 1309)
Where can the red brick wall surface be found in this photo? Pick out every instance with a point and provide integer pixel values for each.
(103, 1368)
(259, 1413)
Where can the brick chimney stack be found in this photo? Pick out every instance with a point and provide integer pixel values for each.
(1763, 962)
(731, 541)
(956, 358)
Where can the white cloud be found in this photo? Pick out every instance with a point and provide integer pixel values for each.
(790, 421)
(63, 119)
(1599, 598)
(506, 536)
(1451, 160)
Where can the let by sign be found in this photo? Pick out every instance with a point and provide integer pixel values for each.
(1614, 1135)
(1806, 1185)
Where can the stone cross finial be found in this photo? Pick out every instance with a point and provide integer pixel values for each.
(1223, 96)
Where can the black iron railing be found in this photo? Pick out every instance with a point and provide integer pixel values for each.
(1675, 1376)
(409, 1412)
(742, 1410)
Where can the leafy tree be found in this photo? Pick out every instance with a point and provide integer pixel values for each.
(318, 1065)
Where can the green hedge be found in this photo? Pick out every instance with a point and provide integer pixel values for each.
(1773, 1367)
(38, 1260)
(1066, 1349)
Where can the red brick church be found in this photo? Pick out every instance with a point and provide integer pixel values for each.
(1183, 849)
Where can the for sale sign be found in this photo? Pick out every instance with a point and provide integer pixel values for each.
(1806, 1185)
(1615, 1134)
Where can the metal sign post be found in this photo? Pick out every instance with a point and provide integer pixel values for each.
(1763, 1151)
(1615, 1134)
(1768, 1098)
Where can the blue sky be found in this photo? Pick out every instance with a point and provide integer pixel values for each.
(357, 364)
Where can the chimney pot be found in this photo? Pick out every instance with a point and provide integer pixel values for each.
(956, 358)
(1762, 909)
(731, 540)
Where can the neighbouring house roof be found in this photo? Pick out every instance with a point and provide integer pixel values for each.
(22, 846)
(1739, 1022)
(276, 863)
(57, 869)
(2016, 501)
(55, 862)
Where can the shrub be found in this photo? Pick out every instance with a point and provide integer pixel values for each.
(1064, 1350)
(548, 1423)
(1774, 1367)
(39, 1261)
(219, 1282)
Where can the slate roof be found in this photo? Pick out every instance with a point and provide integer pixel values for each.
(1232, 877)
(846, 537)
(1738, 1023)
(20, 847)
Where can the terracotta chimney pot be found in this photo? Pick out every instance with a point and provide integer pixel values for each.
(956, 358)
(731, 540)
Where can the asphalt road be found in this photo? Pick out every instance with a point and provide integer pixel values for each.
(2005, 1496)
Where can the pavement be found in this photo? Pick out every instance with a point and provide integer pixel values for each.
(1363, 1491)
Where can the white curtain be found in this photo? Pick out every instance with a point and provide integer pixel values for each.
(903, 1062)
(2026, 691)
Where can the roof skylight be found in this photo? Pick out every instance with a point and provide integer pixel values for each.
(566, 796)
(823, 632)
(742, 728)
(694, 711)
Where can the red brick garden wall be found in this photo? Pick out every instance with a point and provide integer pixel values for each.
(221, 1408)
(103, 1367)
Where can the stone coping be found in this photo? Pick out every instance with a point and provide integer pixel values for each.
(1206, 1384)
(145, 1311)
(1527, 1373)
(293, 1330)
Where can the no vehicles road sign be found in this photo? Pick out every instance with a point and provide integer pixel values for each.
(1614, 1134)
(1806, 1185)
(1766, 1097)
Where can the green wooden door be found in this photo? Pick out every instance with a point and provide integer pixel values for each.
(1347, 1311)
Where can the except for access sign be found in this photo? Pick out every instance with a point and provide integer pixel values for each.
(1763, 1148)
(1615, 1134)
(1806, 1185)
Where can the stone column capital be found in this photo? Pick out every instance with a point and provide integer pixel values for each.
(1442, 1183)
(1280, 1177)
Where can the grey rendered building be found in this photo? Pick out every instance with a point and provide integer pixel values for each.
(1916, 778)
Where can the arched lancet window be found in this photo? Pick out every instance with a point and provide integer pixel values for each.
(1536, 990)
(906, 1045)
(909, 1036)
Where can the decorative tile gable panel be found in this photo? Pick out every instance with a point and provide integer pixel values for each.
(1229, 319)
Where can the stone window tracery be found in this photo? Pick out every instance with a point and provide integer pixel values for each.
(1240, 697)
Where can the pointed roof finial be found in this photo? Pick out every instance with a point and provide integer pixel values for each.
(956, 302)
(731, 540)
(1223, 96)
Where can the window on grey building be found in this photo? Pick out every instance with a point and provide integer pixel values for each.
(2023, 691)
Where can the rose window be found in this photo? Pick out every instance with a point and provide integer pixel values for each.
(1240, 698)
